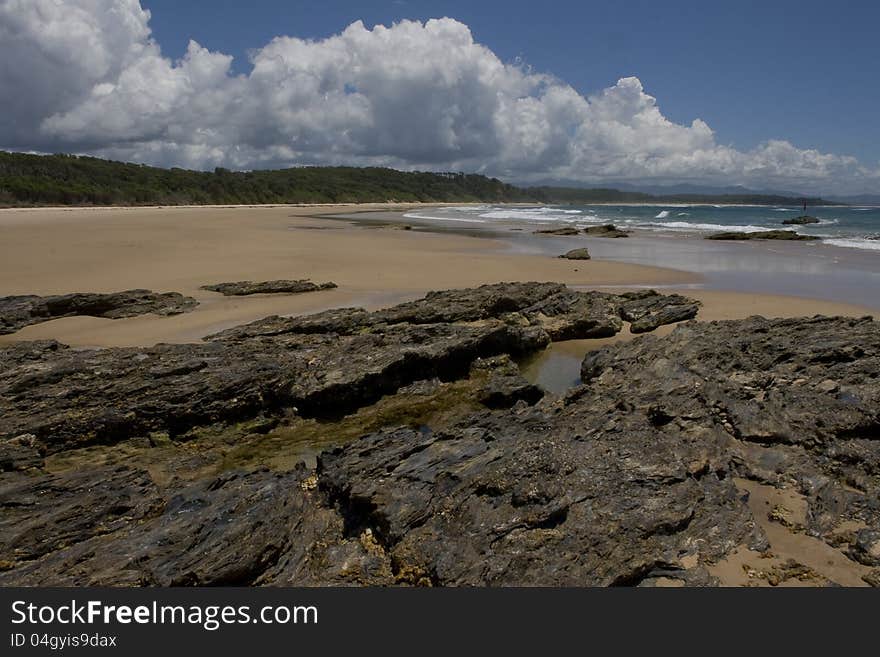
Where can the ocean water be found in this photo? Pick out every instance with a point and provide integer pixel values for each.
(844, 226)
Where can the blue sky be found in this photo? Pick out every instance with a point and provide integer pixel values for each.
(770, 95)
(804, 71)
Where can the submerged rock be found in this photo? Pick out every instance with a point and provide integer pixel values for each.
(763, 235)
(606, 230)
(244, 288)
(576, 254)
(801, 220)
(19, 311)
(565, 230)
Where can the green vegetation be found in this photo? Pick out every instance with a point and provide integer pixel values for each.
(35, 180)
(71, 180)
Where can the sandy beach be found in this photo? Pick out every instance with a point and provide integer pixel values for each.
(377, 260)
(374, 264)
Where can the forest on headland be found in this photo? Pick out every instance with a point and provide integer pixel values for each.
(50, 180)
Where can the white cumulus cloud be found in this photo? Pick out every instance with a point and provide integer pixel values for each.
(86, 76)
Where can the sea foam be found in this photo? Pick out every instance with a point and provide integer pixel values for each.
(855, 243)
(417, 215)
(679, 226)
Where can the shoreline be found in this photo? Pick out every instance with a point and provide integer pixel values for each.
(678, 204)
(258, 406)
(373, 262)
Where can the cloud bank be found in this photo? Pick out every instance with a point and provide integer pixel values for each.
(86, 76)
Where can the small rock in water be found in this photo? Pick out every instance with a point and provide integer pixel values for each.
(607, 230)
(567, 230)
(800, 221)
(763, 235)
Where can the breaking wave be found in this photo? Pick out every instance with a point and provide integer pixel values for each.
(855, 243)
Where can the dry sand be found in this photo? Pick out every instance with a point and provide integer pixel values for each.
(57, 251)
(179, 249)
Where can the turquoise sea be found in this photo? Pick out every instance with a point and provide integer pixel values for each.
(844, 226)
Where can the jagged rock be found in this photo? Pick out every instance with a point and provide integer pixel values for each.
(244, 288)
(19, 311)
(763, 235)
(225, 530)
(565, 230)
(323, 366)
(44, 514)
(800, 221)
(69, 397)
(606, 230)
(340, 321)
(538, 498)
(867, 547)
(576, 254)
(646, 310)
(20, 453)
(565, 314)
(758, 379)
(630, 479)
(503, 385)
(570, 315)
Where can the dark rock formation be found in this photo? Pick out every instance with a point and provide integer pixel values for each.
(576, 254)
(69, 397)
(627, 480)
(606, 230)
(503, 384)
(801, 220)
(565, 230)
(19, 311)
(321, 365)
(44, 514)
(564, 314)
(244, 288)
(221, 531)
(20, 453)
(798, 398)
(763, 235)
(646, 310)
(867, 547)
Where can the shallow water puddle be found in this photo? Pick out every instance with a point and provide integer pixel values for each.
(557, 369)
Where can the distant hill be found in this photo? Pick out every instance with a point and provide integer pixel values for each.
(574, 196)
(860, 199)
(705, 190)
(670, 189)
(41, 180)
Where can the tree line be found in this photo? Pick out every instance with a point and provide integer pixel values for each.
(44, 180)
